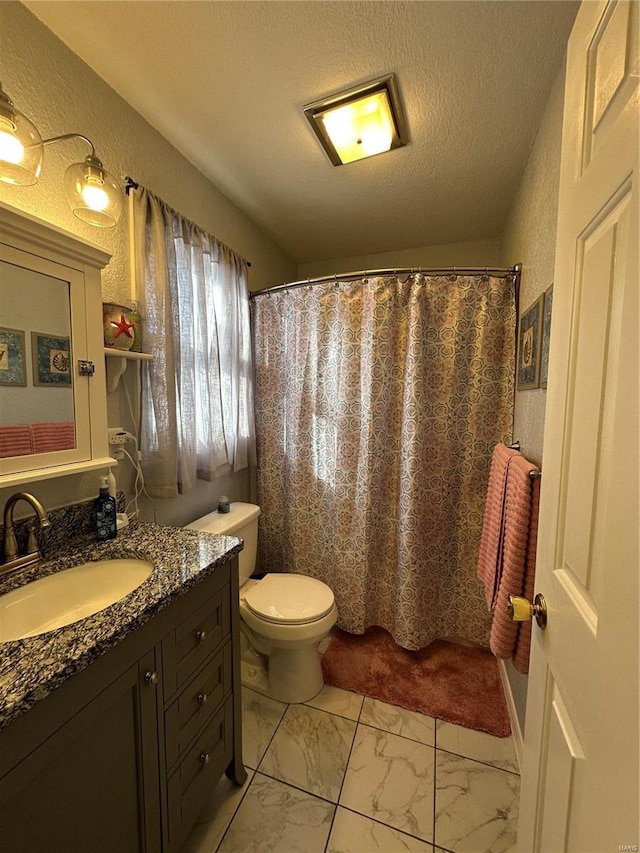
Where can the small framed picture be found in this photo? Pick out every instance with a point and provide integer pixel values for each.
(529, 340)
(12, 357)
(546, 334)
(51, 360)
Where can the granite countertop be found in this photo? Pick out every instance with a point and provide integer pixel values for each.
(31, 668)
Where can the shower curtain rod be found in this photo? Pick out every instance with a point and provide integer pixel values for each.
(345, 276)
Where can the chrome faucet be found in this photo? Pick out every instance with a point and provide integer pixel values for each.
(10, 559)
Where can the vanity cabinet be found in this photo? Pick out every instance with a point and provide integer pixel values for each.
(123, 756)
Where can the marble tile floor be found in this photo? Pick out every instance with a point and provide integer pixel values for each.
(347, 774)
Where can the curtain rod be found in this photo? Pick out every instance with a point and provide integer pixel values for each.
(345, 276)
(130, 184)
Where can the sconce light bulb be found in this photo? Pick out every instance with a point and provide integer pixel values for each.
(11, 149)
(93, 193)
(21, 146)
(95, 197)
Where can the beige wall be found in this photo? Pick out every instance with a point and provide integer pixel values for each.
(530, 236)
(475, 253)
(61, 94)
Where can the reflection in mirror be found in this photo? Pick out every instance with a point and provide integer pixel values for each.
(36, 385)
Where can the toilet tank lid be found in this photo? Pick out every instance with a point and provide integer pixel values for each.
(226, 523)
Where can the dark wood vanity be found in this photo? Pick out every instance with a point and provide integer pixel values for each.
(115, 729)
(124, 754)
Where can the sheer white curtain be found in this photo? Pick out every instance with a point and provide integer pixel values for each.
(197, 394)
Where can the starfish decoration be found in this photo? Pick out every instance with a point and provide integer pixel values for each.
(123, 327)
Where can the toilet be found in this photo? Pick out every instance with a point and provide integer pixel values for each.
(283, 616)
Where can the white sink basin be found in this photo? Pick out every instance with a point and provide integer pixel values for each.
(68, 596)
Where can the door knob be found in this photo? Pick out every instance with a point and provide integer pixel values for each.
(521, 609)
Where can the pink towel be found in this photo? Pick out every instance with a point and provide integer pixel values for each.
(518, 555)
(15, 441)
(49, 437)
(523, 640)
(490, 556)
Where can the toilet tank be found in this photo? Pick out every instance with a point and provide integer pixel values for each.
(240, 521)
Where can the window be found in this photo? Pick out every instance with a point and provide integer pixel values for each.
(197, 394)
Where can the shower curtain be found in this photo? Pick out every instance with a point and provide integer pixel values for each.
(378, 404)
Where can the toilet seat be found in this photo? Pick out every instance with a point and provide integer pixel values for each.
(289, 599)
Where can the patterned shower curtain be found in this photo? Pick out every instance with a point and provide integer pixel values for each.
(378, 404)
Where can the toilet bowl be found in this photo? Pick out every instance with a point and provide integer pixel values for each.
(283, 616)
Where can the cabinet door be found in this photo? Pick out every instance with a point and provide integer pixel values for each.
(93, 785)
(51, 307)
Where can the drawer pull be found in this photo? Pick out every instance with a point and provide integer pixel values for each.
(205, 758)
(151, 678)
(202, 698)
(200, 635)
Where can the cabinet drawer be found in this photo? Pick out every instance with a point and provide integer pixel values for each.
(198, 773)
(187, 648)
(196, 703)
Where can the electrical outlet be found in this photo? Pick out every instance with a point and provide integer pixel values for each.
(117, 437)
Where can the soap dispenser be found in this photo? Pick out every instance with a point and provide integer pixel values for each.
(105, 510)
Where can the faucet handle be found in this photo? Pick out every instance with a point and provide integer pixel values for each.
(32, 542)
(9, 544)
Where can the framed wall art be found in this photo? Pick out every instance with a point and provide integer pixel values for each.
(546, 335)
(12, 357)
(529, 340)
(51, 360)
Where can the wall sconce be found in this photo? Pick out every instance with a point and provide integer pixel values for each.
(359, 122)
(94, 194)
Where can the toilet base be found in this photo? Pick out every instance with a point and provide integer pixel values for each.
(291, 675)
(255, 677)
(295, 675)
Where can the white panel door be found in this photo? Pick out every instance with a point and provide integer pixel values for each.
(580, 771)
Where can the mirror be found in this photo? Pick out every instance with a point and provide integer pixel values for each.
(53, 406)
(36, 380)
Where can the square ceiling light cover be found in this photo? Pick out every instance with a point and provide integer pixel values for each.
(359, 122)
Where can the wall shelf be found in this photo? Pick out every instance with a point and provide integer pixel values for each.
(117, 363)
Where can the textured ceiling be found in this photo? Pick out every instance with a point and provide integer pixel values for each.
(225, 82)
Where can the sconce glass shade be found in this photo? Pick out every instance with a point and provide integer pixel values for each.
(359, 122)
(21, 147)
(94, 195)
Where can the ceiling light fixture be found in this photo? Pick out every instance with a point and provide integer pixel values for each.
(94, 195)
(359, 122)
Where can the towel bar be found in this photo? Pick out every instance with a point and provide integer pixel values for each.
(535, 475)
